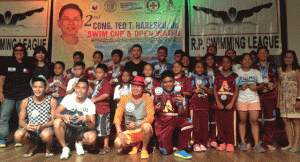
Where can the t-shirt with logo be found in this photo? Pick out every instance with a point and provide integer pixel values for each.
(252, 77)
(17, 77)
(76, 109)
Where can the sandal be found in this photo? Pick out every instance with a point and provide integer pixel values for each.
(221, 147)
(214, 144)
(295, 150)
(29, 153)
(105, 150)
(230, 147)
(203, 148)
(49, 154)
(271, 148)
(197, 148)
(286, 148)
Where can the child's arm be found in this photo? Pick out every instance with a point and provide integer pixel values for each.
(235, 96)
(220, 106)
(101, 98)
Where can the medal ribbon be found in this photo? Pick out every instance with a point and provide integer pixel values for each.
(265, 71)
(96, 88)
(116, 71)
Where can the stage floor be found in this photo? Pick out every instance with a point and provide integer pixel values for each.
(14, 154)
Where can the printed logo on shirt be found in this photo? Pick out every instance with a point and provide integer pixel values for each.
(25, 70)
(225, 87)
(245, 79)
(12, 69)
(168, 107)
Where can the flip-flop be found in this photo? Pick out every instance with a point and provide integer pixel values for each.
(28, 154)
(286, 148)
(271, 148)
(49, 154)
(295, 150)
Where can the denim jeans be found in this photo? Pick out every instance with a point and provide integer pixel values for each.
(5, 113)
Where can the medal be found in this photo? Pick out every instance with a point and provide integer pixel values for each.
(96, 82)
(134, 73)
(115, 80)
(223, 97)
(177, 88)
(55, 95)
(158, 91)
(114, 75)
(175, 83)
(129, 107)
(266, 80)
(148, 80)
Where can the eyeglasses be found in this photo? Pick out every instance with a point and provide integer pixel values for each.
(18, 50)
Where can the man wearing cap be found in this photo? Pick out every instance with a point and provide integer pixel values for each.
(171, 113)
(78, 122)
(136, 65)
(161, 65)
(138, 112)
(36, 118)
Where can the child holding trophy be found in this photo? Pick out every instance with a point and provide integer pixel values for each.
(199, 107)
(151, 83)
(58, 83)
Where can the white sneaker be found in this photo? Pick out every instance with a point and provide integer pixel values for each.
(65, 153)
(79, 149)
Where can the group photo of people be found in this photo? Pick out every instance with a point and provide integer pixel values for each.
(178, 108)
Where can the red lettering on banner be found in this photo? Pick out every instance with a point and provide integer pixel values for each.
(145, 33)
(97, 34)
(116, 33)
(165, 33)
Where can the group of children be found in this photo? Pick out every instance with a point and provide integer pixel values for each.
(214, 93)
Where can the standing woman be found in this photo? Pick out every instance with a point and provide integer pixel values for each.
(43, 66)
(289, 99)
(14, 87)
(267, 96)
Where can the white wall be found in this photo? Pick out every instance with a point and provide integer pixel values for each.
(293, 25)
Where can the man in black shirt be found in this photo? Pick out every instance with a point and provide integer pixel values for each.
(136, 65)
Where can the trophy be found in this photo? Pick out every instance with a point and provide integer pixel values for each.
(201, 94)
(156, 68)
(177, 90)
(148, 81)
(55, 94)
(160, 99)
(125, 92)
(34, 115)
(114, 77)
(134, 73)
(266, 82)
(129, 107)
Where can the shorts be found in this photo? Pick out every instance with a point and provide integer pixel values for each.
(103, 124)
(134, 136)
(75, 133)
(243, 106)
(35, 136)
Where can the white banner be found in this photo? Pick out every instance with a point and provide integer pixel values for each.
(243, 25)
(25, 21)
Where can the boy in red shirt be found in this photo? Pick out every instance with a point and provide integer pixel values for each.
(100, 98)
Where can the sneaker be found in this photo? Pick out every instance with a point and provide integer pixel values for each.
(243, 146)
(2, 143)
(18, 144)
(65, 153)
(258, 148)
(203, 148)
(144, 154)
(183, 154)
(197, 148)
(79, 149)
